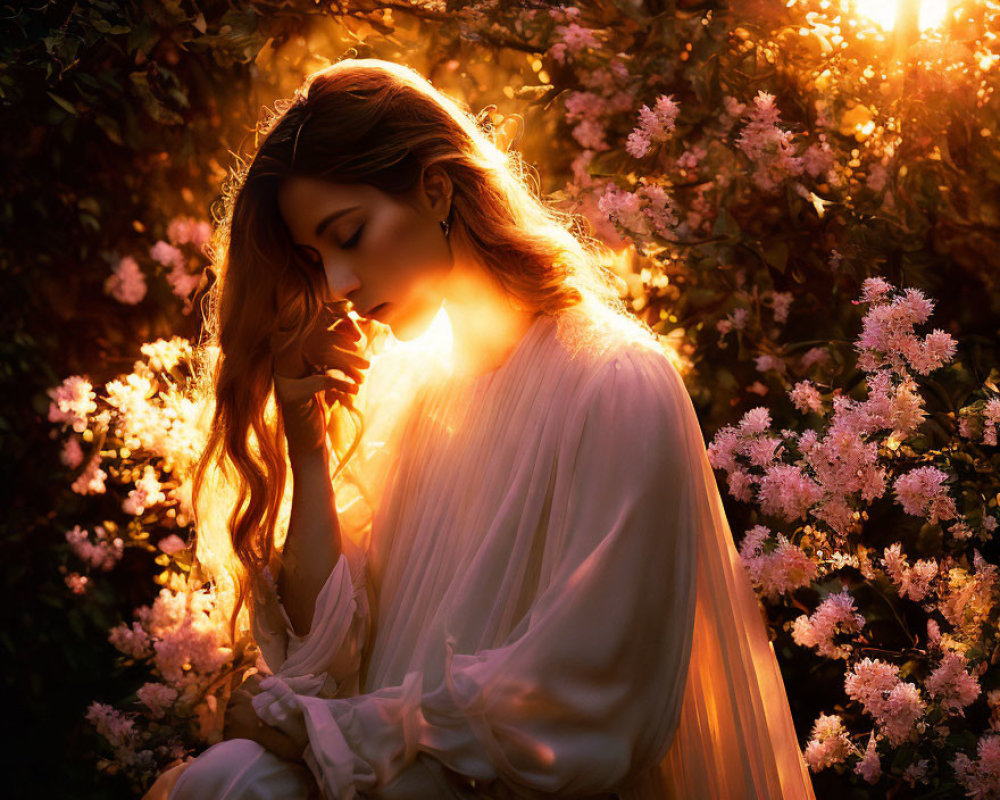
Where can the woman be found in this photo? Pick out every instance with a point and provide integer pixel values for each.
(533, 591)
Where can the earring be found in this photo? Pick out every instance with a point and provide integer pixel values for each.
(446, 227)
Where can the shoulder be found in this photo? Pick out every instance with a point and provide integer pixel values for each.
(597, 339)
(624, 377)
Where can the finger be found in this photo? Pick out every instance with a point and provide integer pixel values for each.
(339, 385)
(336, 357)
(348, 327)
(354, 374)
(297, 390)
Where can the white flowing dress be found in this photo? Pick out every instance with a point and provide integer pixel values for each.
(538, 596)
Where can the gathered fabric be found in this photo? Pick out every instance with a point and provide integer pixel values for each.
(538, 594)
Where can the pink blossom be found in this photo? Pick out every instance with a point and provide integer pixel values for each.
(829, 743)
(112, 724)
(894, 704)
(814, 355)
(182, 283)
(991, 411)
(723, 448)
(817, 159)
(733, 107)
(835, 615)
(132, 641)
(912, 582)
(887, 337)
(805, 397)
(951, 684)
(689, 159)
(157, 697)
(756, 420)
(126, 283)
(768, 362)
(187, 230)
(903, 708)
(658, 208)
(623, 207)
(782, 302)
(77, 583)
(786, 491)
(656, 125)
(768, 146)
(71, 454)
(980, 777)
(916, 772)
(583, 105)
(869, 767)
(576, 37)
(762, 452)
(782, 570)
(991, 418)
(166, 254)
(589, 133)
(836, 511)
(72, 401)
(878, 176)
(171, 544)
(99, 554)
(197, 646)
(147, 492)
(740, 483)
(875, 290)
(91, 480)
(922, 491)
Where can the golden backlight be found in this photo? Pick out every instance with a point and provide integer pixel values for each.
(884, 14)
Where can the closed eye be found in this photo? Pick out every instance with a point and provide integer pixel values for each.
(352, 242)
(311, 255)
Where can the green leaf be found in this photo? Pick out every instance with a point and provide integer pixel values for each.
(776, 254)
(63, 103)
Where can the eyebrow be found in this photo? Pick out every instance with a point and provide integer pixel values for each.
(325, 222)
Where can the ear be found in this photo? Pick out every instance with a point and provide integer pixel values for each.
(437, 190)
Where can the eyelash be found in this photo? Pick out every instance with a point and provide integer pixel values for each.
(353, 241)
(348, 245)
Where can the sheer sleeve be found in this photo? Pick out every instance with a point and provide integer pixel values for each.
(586, 692)
(325, 661)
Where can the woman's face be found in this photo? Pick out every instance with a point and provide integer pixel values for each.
(387, 256)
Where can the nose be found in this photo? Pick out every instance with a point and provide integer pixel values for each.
(342, 282)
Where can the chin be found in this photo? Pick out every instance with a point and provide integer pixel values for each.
(407, 327)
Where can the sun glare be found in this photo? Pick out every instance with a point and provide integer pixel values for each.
(880, 12)
(932, 12)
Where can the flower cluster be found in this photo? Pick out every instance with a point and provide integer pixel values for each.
(127, 282)
(823, 480)
(656, 125)
(147, 428)
(829, 475)
(182, 639)
(768, 146)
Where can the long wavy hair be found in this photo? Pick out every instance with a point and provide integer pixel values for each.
(363, 121)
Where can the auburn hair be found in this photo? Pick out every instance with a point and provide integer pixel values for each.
(363, 121)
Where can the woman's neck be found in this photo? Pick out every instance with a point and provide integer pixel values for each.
(485, 323)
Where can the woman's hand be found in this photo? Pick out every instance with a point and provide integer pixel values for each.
(309, 365)
(241, 722)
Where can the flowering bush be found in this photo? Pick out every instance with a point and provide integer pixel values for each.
(146, 429)
(817, 485)
(750, 164)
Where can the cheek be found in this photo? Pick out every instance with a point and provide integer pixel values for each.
(409, 248)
